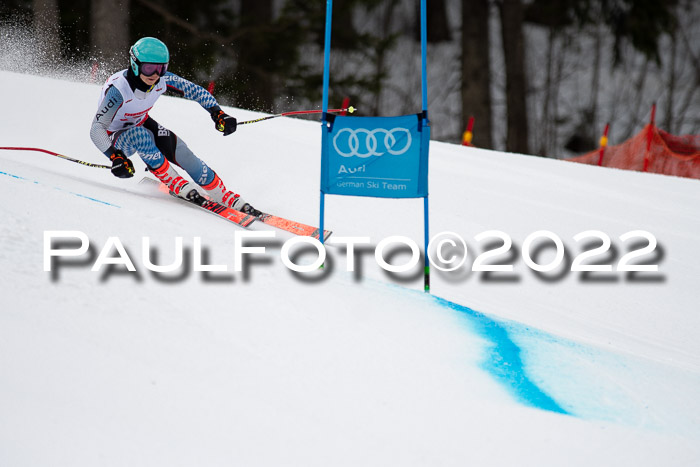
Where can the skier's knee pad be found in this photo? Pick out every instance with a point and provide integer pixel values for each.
(200, 172)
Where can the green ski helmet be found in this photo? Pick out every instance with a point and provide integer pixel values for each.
(149, 56)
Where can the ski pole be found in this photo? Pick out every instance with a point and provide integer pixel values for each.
(89, 164)
(350, 109)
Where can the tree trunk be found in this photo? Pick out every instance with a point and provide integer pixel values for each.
(595, 78)
(671, 85)
(544, 135)
(438, 29)
(516, 83)
(476, 71)
(636, 113)
(109, 32)
(47, 29)
(380, 54)
(253, 57)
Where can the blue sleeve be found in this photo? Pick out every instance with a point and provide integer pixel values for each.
(111, 102)
(189, 90)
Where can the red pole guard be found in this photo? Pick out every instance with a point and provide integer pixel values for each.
(468, 135)
(346, 103)
(603, 144)
(89, 164)
(650, 136)
(31, 149)
(210, 88)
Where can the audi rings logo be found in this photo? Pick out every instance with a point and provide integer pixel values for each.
(364, 143)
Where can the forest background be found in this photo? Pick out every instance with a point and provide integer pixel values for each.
(539, 77)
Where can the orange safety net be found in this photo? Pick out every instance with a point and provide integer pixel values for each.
(651, 150)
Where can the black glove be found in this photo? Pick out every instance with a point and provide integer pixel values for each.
(222, 121)
(121, 165)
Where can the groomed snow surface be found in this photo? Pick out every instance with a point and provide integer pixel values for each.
(265, 367)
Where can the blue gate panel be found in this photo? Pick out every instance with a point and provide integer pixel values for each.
(382, 157)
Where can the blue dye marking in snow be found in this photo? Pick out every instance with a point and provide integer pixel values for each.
(14, 176)
(91, 199)
(60, 189)
(504, 362)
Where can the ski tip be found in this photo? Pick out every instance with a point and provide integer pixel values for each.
(316, 234)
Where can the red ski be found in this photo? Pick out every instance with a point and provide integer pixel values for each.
(294, 227)
(237, 217)
(244, 220)
(231, 215)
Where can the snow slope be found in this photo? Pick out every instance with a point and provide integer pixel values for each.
(265, 367)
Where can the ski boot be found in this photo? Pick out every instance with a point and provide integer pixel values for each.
(216, 190)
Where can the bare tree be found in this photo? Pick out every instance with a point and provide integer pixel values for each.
(476, 72)
(256, 16)
(516, 82)
(436, 19)
(380, 51)
(672, 80)
(683, 82)
(109, 30)
(690, 99)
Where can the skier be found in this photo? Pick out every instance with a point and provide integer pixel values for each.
(122, 126)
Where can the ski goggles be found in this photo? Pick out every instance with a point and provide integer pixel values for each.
(150, 69)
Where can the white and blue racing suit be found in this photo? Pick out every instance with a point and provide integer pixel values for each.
(122, 122)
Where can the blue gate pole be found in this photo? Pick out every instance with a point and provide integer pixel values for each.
(424, 53)
(327, 57)
(424, 86)
(324, 121)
